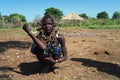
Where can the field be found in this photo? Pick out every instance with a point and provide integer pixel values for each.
(93, 54)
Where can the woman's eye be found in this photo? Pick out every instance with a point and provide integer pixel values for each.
(44, 23)
(47, 23)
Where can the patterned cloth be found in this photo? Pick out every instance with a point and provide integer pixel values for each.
(52, 47)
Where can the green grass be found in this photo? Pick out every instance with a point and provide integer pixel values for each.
(19, 31)
(12, 31)
(94, 27)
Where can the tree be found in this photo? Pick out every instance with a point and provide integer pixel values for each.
(54, 12)
(116, 16)
(37, 20)
(0, 16)
(7, 18)
(83, 16)
(102, 15)
(18, 17)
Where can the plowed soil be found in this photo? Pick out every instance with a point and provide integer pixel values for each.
(92, 55)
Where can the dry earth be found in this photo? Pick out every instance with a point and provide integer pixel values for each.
(92, 55)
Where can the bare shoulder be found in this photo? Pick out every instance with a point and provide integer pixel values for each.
(61, 36)
(61, 39)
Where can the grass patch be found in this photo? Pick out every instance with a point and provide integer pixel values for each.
(12, 31)
(93, 27)
(19, 31)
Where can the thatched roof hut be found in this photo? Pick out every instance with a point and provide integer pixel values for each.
(72, 19)
(72, 16)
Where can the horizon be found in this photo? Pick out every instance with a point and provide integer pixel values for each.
(30, 8)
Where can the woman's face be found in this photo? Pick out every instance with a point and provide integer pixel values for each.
(47, 25)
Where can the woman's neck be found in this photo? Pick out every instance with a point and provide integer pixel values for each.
(47, 34)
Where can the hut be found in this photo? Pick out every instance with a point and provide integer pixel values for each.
(72, 18)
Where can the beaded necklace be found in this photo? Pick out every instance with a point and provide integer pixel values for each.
(52, 43)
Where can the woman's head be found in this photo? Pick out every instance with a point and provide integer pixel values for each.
(46, 17)
(48, 23)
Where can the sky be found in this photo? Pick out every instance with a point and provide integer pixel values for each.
(32, 8)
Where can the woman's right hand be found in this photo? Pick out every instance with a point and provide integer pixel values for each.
(26, 28)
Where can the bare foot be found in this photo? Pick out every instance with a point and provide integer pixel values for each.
(56, 71)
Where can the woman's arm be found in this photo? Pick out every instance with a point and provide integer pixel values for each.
(26, 28)
(39, 43)
(64, 49)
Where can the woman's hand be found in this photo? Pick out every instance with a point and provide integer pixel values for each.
(26, 28)
(62, 59)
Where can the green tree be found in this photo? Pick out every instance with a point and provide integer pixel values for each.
(18, 17)
(7, 18)
(83, 16)
(0, 16)
(102, 15)
(116, 15)
(54, 12)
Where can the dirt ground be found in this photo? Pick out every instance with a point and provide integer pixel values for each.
(92, 55)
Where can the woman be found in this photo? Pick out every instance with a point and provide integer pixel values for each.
(48, 46)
